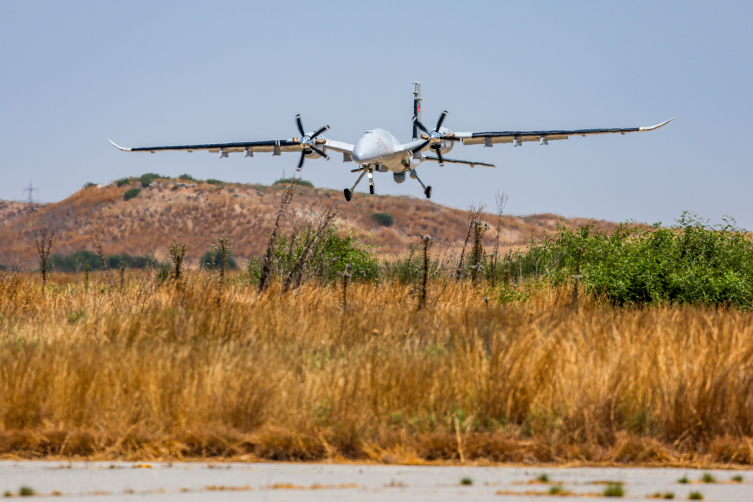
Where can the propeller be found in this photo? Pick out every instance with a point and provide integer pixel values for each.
(434, 137)
(309, 143)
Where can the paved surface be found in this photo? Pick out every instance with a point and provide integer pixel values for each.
(188, 482)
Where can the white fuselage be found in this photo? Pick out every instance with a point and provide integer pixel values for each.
(380, 148)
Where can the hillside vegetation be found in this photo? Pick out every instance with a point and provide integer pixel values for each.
(194, 212)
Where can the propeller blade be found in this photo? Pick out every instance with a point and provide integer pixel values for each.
(317, 133)
(439, 156)
(300, 125)
(420, 125)
(300, 162)
(441, 119)
(420, 147)
(320, 152)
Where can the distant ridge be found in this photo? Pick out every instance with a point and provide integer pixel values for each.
(169, 210)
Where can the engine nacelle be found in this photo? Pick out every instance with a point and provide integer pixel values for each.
(446, 146)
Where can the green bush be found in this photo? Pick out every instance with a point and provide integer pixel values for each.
(131, 193)
(327, 261)
(212, 260)
(384, 219)
(296, 181)
(89, 184)
(74, 262)
(212, 181)
(148, 178)
(123, 181)
(691, 262)
(186, 177)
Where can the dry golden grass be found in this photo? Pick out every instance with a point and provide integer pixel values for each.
(166, 372)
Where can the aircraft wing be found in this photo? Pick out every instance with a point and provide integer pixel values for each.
(488, 138)
(285, 145)
(338, 146)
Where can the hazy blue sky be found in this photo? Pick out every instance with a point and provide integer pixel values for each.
(147, 73)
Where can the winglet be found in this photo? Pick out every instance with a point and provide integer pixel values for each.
(657, 126)
(119, 147)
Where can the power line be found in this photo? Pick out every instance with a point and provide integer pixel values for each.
(31, 190)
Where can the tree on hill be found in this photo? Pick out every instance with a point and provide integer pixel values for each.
(295, 181)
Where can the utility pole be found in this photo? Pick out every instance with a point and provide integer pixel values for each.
(31, 190)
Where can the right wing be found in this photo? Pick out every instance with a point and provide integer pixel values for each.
(283, 145)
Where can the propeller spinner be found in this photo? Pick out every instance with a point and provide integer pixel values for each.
(434, 137)
(309, 143)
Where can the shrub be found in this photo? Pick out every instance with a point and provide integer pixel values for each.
(384, 219)
(466, 481)
(614, 490)
(695, 496)
(691, 262)
(328, 260)
(74, 262)
(89, 184)
(131, 193)
(708, 478)
(737, 478)
(212, 181)
(542, 478)
(295, 181)
(211, 260)
(26, 491)
(186, 177)
(683, 480)
(148, 178)
(123, 181)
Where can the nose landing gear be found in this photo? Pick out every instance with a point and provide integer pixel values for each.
(371, 183)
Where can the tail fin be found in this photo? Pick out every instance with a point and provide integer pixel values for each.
(416, 108)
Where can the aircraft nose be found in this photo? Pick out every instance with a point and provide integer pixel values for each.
(362, 152)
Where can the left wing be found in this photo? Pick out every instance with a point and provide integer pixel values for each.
(285, 145)
(453, 161)
(543, 137)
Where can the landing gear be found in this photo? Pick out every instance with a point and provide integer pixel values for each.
(371, 189)
(349, 193)
(427, 190)
(371, 183)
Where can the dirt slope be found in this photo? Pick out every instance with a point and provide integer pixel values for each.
(165, 213)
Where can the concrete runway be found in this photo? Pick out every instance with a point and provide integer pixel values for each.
(188, 482)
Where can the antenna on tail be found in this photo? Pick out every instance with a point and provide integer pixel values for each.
(416, 108)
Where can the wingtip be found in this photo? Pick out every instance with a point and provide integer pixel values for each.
(122, 148)
(657, 126)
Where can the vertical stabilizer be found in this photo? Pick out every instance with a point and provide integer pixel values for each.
(416, 108)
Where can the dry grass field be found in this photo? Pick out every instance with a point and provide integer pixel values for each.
(187, 370)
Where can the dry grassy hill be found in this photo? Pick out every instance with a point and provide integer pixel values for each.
(165, 212)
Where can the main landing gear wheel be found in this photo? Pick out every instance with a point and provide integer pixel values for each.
(428, 192)
(371, 189)
(348, 195)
